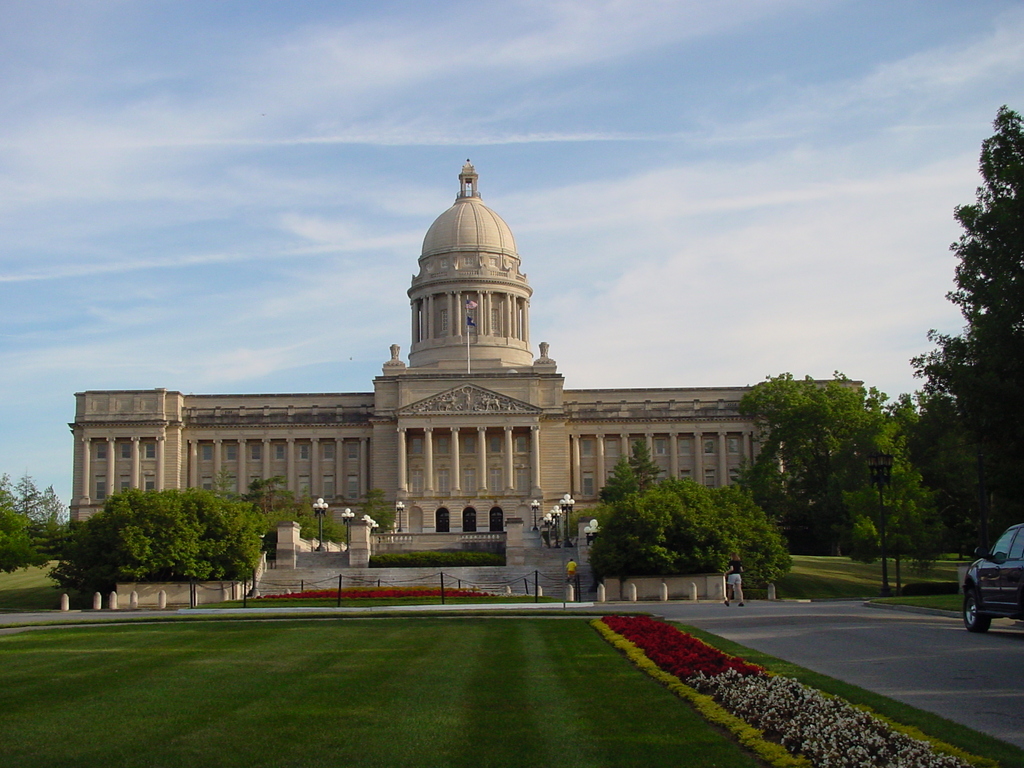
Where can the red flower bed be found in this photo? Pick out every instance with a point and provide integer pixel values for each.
(677, 652)
(377, 592)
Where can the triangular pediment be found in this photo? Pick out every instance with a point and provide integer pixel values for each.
(468, 399)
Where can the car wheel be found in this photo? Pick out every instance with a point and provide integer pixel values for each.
(972, 619)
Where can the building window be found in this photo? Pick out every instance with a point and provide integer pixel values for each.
(469, 444)
(522, 446)
(443, 443)
(468, 479)
(588, 484)
(586, 447)
(660, 446)
(125, 483)
(304, 451)
(611, 448)
(328, 486)
(150, 450)
(207, 483)
(415, 446)
(496, 479)
(231, 452)
(352, 487)
(494, 443)
(522, 480)
(256, 452)
(734, 475)
(101, 450)
(733, 444)
(685, 446)
(709, 445)
(304, 485)
(279, 452)
(150, 484)
(442, 321)
(101, 488)
(709, 478)
(206, 452)
(416, 481)
(327, 451)
(126, 450)
(444, 481)
(684, 474)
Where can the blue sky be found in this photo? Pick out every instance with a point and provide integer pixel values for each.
(231, 196)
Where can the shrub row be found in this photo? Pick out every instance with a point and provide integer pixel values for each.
(930, 588)
(435, 559)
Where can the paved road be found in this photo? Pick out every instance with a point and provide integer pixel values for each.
(930, 662)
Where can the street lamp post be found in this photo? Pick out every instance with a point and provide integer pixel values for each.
(567, 503)
(399, 509)
(590, 530)
(320, 509)
(346, 518)
(551, 522)
(880, 466)
(535, 508)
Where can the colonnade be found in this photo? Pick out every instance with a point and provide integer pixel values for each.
(109, 467)
(443, 315)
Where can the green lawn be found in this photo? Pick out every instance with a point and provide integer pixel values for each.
(29, 590)
(836, 577)
(345, 692)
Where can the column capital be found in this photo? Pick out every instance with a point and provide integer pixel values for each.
(135, 438)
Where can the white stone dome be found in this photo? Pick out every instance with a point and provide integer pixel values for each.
(469, 225)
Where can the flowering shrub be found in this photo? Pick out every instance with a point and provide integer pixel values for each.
(377, 592)
(764, 710)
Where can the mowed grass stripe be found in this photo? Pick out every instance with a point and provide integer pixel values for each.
(385, 692)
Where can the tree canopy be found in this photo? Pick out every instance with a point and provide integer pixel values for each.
(982, 368)
(678, 526)
(171, 535)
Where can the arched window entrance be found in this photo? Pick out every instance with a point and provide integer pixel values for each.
(497, 519)
(442, 522)
(469, 520)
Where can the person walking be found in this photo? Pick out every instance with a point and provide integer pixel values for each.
(734, 579)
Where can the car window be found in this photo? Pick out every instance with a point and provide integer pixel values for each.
(1003, 545)
(1017, 548)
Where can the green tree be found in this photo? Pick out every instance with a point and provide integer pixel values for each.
(621, 482)
(17, 549)
(814, 439)
(377, 508)
(172, 535)
(678, 526)
(982, 368)
(645, 469)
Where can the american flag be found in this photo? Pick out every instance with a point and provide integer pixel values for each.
(470, 304)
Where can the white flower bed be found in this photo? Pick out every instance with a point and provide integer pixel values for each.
(828, 731)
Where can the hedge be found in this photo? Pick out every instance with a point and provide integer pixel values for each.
(435, 559)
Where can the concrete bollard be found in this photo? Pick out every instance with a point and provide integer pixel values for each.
(540, 591)
(97, 601)
(631, 593)
(133, 600)
(693, 591)
(664, 592)
(65, 603)
(771, 592)
(570, 594)
(161, 600)
(225, 594)
(508, 590)
(112, 601)
(601, 594)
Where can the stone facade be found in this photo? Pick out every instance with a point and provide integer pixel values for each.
(467, 434)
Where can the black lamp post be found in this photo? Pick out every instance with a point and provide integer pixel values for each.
(399, 509)
(566, 503)
(551, 522)
(880, 466)
(320, 509)
(535, 508)
(346, 517)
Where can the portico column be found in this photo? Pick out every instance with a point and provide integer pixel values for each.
(111, 466)
(673, 454)
(339, 473)
(161, 447)
(600, 462)
(428, 459)
(193, 463)
(624, 437)
(315, 486)
(243, 467)
(535, 454)
(266, 458)
(364, 466)
(402, 461)
(456, 462)
(574, 451)
(86, 481)
(509, 483)
(698, 457)
(290, 466)
(723, 461)
(216, 461)
(481, 452)
(134, 480)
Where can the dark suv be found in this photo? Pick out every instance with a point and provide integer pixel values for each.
(994, 585)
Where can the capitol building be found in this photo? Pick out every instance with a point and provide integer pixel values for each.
(467, 432)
